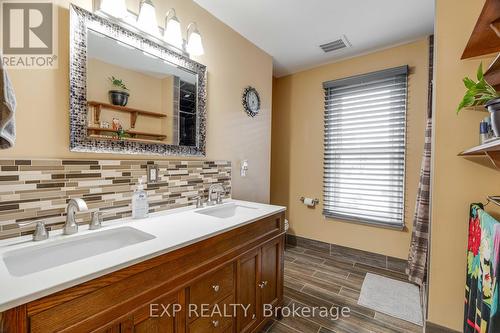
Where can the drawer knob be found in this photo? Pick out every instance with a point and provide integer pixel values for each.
(215, 323)
(216, 288)
(262, 284)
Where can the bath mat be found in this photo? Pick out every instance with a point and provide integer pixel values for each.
(391, 297)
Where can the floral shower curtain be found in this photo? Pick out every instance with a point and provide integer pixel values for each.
(417, 257)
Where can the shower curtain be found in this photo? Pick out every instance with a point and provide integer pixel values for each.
(417, 257)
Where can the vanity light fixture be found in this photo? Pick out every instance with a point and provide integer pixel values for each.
(194, 45)
(116, 8)
(146, 20)
(173, 34)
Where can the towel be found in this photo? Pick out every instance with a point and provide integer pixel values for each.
(7, 109)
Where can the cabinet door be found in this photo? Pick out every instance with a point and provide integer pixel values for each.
(247, 291)
(146, 321)
(271, 272)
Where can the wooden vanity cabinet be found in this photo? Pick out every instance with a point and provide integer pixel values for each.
(260, 281)
(243, 265)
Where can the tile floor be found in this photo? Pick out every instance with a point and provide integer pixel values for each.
(322, 275)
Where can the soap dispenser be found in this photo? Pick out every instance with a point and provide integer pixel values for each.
(140, 205)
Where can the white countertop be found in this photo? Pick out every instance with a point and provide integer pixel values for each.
(173, 229)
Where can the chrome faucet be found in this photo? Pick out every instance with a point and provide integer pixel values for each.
(74, 205)
(219, 189)
(41, 232)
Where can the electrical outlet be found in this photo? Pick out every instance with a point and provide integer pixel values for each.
(153, 175)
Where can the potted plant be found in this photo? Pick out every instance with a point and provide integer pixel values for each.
(118, 96)
(482, 93)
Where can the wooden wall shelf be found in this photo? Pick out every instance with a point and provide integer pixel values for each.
(484, 38)
(490, 149)
(133, 133)
(107, 137)
(492, 75)
(98, 106)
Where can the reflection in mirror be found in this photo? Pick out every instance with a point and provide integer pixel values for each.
(135, 96)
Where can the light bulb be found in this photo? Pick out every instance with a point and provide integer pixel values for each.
(116, 8)
(147, 18)
(173, 33)
(194, 44)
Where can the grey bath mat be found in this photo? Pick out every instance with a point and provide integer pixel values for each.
(392, 297)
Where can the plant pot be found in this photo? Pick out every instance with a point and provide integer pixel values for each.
(118, 97)
(494, 109)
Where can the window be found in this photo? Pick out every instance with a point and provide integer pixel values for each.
(365, 133)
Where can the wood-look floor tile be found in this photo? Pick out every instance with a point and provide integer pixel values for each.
(299, 268)
(294, 283)
(318, 279)
(310, 280)
(350, 283)
(403, 325)
(349, 293)
(362, 268)
(336, 324)
(338, 272)
(302, 325)
(305, 258)
(337, 300)
(280, 328)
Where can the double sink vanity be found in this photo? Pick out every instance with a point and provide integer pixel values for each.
(121, 277)
(125, 275)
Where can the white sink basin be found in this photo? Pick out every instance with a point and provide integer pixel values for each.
(225, 211)
(37, 258)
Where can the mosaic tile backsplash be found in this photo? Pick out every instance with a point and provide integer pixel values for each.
(40, 189)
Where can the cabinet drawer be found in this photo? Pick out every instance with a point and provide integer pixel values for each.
(220, 322)
(213, 287)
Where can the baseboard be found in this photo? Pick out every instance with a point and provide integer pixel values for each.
(434, 328)
(364, 257)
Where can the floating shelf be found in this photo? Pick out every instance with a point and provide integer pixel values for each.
(133, 133)
(484, 38)
(489, 149)
(98, 106)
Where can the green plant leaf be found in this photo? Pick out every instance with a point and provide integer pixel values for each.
(480, 74)
(469, 84)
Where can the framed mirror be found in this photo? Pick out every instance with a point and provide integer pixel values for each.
(131, 95)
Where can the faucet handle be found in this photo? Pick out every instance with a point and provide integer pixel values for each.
(41, 231)
(96, 221)
(199, 202)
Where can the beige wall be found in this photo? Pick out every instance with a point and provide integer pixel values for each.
(146, 93)
(297, 147)
(232, 62)
(457, 182)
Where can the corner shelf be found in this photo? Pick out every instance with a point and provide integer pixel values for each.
(489, 149)
(133, 133)
(484, 38)
(98, 106)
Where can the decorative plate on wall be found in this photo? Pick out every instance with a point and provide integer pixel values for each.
(251, 101)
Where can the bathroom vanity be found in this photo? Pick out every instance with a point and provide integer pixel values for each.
(151, 275)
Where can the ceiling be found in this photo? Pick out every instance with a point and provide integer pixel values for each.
(292, 30)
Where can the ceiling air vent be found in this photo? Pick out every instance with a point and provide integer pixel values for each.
(338, 44)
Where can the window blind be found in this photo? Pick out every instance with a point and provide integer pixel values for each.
(364, 147)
